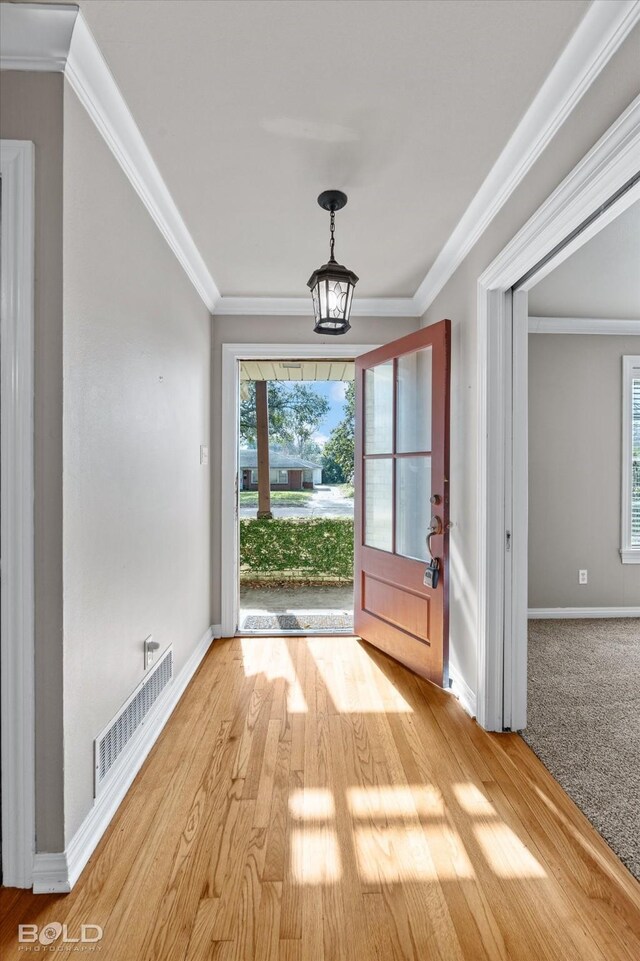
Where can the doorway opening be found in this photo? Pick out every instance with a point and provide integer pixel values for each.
(295, 495)
(601, 187)
(583, 658)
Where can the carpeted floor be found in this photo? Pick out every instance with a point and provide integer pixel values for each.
(584, 720)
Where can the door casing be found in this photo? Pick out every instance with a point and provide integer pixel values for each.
(17, 645)
(566, 221)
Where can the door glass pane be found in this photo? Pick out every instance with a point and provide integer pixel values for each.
(378, 503)
(414, 401)
(413, 508)
(378, 409)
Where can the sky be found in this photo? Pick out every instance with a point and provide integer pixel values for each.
(334, 392)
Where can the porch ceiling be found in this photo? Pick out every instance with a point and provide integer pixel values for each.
(297, 370)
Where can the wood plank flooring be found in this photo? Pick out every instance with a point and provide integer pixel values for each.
(312, 800)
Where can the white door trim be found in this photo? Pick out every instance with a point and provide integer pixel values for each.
(502, 407)
(232, 354)
(17, 696)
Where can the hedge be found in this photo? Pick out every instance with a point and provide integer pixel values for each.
(298, 549)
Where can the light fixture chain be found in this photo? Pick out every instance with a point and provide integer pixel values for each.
(333, 239)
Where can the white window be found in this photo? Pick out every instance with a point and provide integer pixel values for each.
(630, 460)
(276, 476)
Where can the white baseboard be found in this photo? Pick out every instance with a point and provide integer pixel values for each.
(552, 613)
(58, 872)
(461, 690)
(51, 873)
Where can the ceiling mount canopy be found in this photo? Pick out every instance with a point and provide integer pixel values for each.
(332, 284)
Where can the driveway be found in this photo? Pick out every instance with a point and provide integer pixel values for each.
(327, 501)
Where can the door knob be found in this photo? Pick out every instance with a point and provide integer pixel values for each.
(434, 529)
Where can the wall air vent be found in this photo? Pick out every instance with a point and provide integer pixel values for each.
(111, 743)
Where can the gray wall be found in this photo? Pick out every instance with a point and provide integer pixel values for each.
(575, 406)
(275, 330)
(122, 405)
(31, 106)
(609, 95)
(137, 349)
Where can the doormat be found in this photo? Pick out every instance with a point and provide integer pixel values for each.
(335, 621)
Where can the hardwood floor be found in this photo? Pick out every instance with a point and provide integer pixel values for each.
(310, 800)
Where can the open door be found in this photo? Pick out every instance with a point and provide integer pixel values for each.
(402, 500)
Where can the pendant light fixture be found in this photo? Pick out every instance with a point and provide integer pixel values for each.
(332, 284)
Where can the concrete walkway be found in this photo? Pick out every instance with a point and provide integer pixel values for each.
(273, 600)
(326, 501)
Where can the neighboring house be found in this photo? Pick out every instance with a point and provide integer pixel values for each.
(287, 472)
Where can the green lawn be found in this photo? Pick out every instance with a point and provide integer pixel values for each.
(282, 498)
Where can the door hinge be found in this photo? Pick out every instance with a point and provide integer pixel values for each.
(508, 540)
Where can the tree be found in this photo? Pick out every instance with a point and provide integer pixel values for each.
(340, 448)
(295, 413)
(248, 410)
(303, 409)
(332, 473)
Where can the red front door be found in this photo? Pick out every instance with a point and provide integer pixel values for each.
(402, 497)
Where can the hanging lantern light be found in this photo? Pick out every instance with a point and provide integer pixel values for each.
(332, 284)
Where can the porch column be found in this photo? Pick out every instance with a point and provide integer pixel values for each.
(262, 445)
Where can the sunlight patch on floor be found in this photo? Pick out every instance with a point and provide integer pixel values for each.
(355, 683)
(394, 854)
(315, 856)
(506, 855)
(402, 832)
(448, 852)
(270, 656)
(312, 804)
(389, 801)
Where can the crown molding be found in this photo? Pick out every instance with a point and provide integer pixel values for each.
(301, 306)
(599, 34)
(610, 164)
(93, 82)
(582, 325)
(35, 36)
(58, 38)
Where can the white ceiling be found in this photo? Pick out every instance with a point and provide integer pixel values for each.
(601, 279)
(251, 108)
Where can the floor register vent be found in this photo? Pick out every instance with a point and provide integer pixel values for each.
(112, 741)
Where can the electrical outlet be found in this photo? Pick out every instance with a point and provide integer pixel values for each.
(582, 577)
